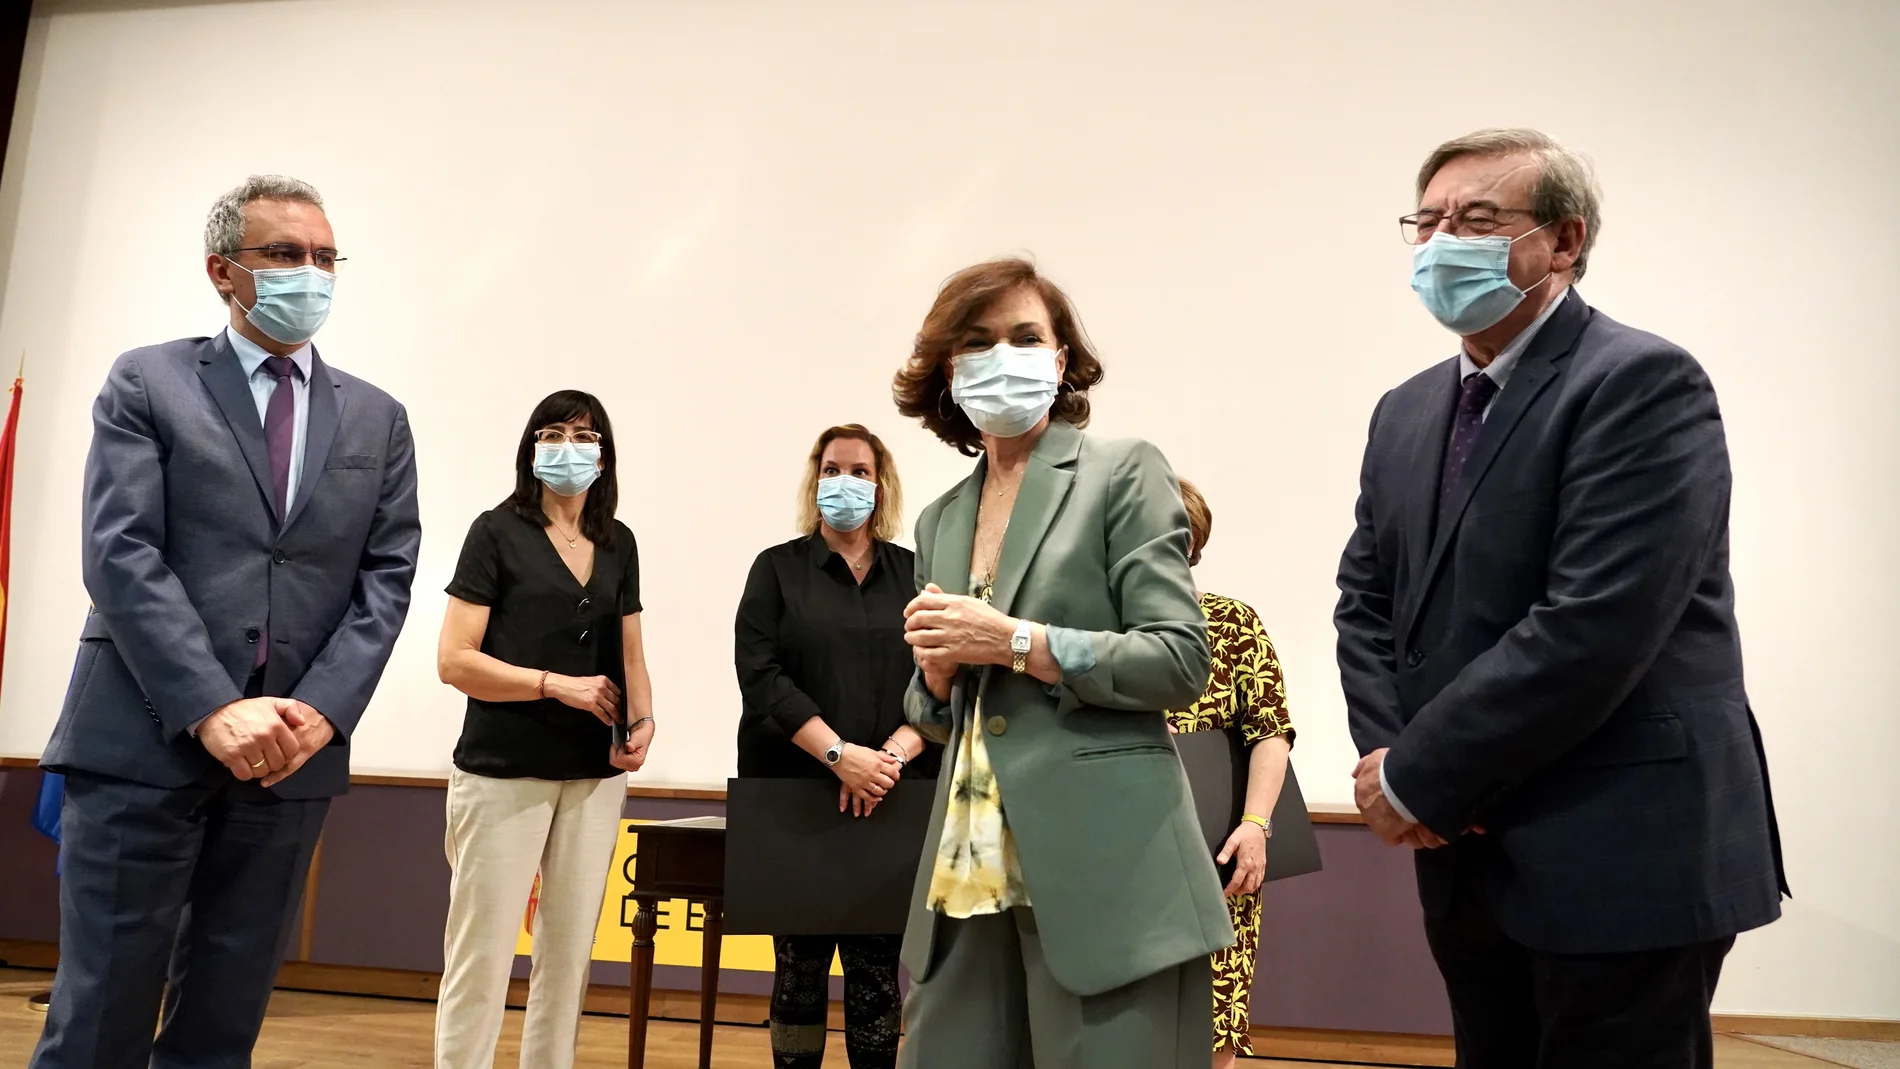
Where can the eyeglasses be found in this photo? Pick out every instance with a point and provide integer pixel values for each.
(1475, 221)
(282, 254)
(557, 436)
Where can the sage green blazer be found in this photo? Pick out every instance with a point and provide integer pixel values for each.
(1112, 855)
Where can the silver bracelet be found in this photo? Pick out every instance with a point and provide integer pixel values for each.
(637, 723)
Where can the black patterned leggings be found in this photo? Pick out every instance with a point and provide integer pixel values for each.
(801, 994)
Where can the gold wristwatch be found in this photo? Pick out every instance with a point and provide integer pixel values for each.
(1266, 823)
(1019, 648)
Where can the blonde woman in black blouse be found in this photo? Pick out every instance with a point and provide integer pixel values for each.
(823, 667)
(543, 635)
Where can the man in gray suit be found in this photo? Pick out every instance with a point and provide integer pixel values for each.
(250, 534)
(1538, 645)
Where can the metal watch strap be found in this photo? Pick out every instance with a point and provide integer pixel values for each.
(1019, 646)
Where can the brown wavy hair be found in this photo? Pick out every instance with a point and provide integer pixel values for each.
(1200, 519)
(887, 516)
(922, 386)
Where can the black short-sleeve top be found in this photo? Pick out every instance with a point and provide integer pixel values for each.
(541, 617)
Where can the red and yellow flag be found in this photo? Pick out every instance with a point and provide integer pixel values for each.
(7, 452)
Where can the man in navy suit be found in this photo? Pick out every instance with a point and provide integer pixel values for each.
(1538, 645)
(250, 535)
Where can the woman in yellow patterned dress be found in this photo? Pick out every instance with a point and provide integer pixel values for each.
(1245, 690)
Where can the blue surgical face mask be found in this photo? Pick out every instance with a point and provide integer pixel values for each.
(1005, 390)
(1466, 282)
(846, 501)
(292, 302)
(567, 469)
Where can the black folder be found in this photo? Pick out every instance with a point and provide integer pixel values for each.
(797, 866)
(1216, 764)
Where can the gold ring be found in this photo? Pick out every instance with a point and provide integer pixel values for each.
(259, 763)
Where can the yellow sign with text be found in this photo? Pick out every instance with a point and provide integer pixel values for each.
(678, 938)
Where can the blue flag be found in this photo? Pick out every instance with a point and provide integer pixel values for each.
(46, 811)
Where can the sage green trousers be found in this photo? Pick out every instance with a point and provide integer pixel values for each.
(990, 1003)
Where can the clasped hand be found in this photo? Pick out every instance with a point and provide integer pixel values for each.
(1391, 828)
(864, 777)
(600, 697)
(948, 631)
(265, 738)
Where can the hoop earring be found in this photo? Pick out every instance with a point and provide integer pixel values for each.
(941, 398)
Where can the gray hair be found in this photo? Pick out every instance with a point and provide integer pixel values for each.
(224, 228)
(1566, 186)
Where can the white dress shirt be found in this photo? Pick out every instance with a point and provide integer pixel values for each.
(252, 356)
(1499, 369)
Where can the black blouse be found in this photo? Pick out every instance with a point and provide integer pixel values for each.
(541, 617)
(811, 641)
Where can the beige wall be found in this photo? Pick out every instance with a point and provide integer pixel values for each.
(728, 218)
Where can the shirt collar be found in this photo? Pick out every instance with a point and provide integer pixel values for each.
(816, 550)
(252, 355)
(821, 555)
(1501, 365)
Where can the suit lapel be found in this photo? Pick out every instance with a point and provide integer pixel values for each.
(1535, 370)
(956, 534)
(325, 416)
(1430, 437)
(1046, 484)
(224, 377)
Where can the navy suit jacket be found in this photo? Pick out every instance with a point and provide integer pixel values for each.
(189, 567)
(1556, 659)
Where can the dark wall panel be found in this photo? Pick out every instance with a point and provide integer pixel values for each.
(29, 890)
(1345, 947)
(382, 893)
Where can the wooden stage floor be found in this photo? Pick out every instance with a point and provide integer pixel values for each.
(306, 1031)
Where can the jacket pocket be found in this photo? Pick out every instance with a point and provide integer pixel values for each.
(350, 461)
(95, 629)
(1517, 501)
(1102, 753)
(1642, 740)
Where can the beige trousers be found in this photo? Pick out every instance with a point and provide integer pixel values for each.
(500, 832)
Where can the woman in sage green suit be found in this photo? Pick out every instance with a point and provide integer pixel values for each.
(1066, 903)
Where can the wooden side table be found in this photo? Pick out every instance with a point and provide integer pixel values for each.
(676, 859)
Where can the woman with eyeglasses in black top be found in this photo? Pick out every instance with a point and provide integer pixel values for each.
(543, 635)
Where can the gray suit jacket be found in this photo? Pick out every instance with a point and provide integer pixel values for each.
(1112, 854)
(187, 564)
(1556, 659)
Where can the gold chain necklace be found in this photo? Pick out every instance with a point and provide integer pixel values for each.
(573, 542)
(988, 587)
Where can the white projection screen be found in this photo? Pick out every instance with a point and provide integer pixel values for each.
(728, 217)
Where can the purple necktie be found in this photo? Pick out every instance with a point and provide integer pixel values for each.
(1478, 391)
(280, 437)
(280, 429)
